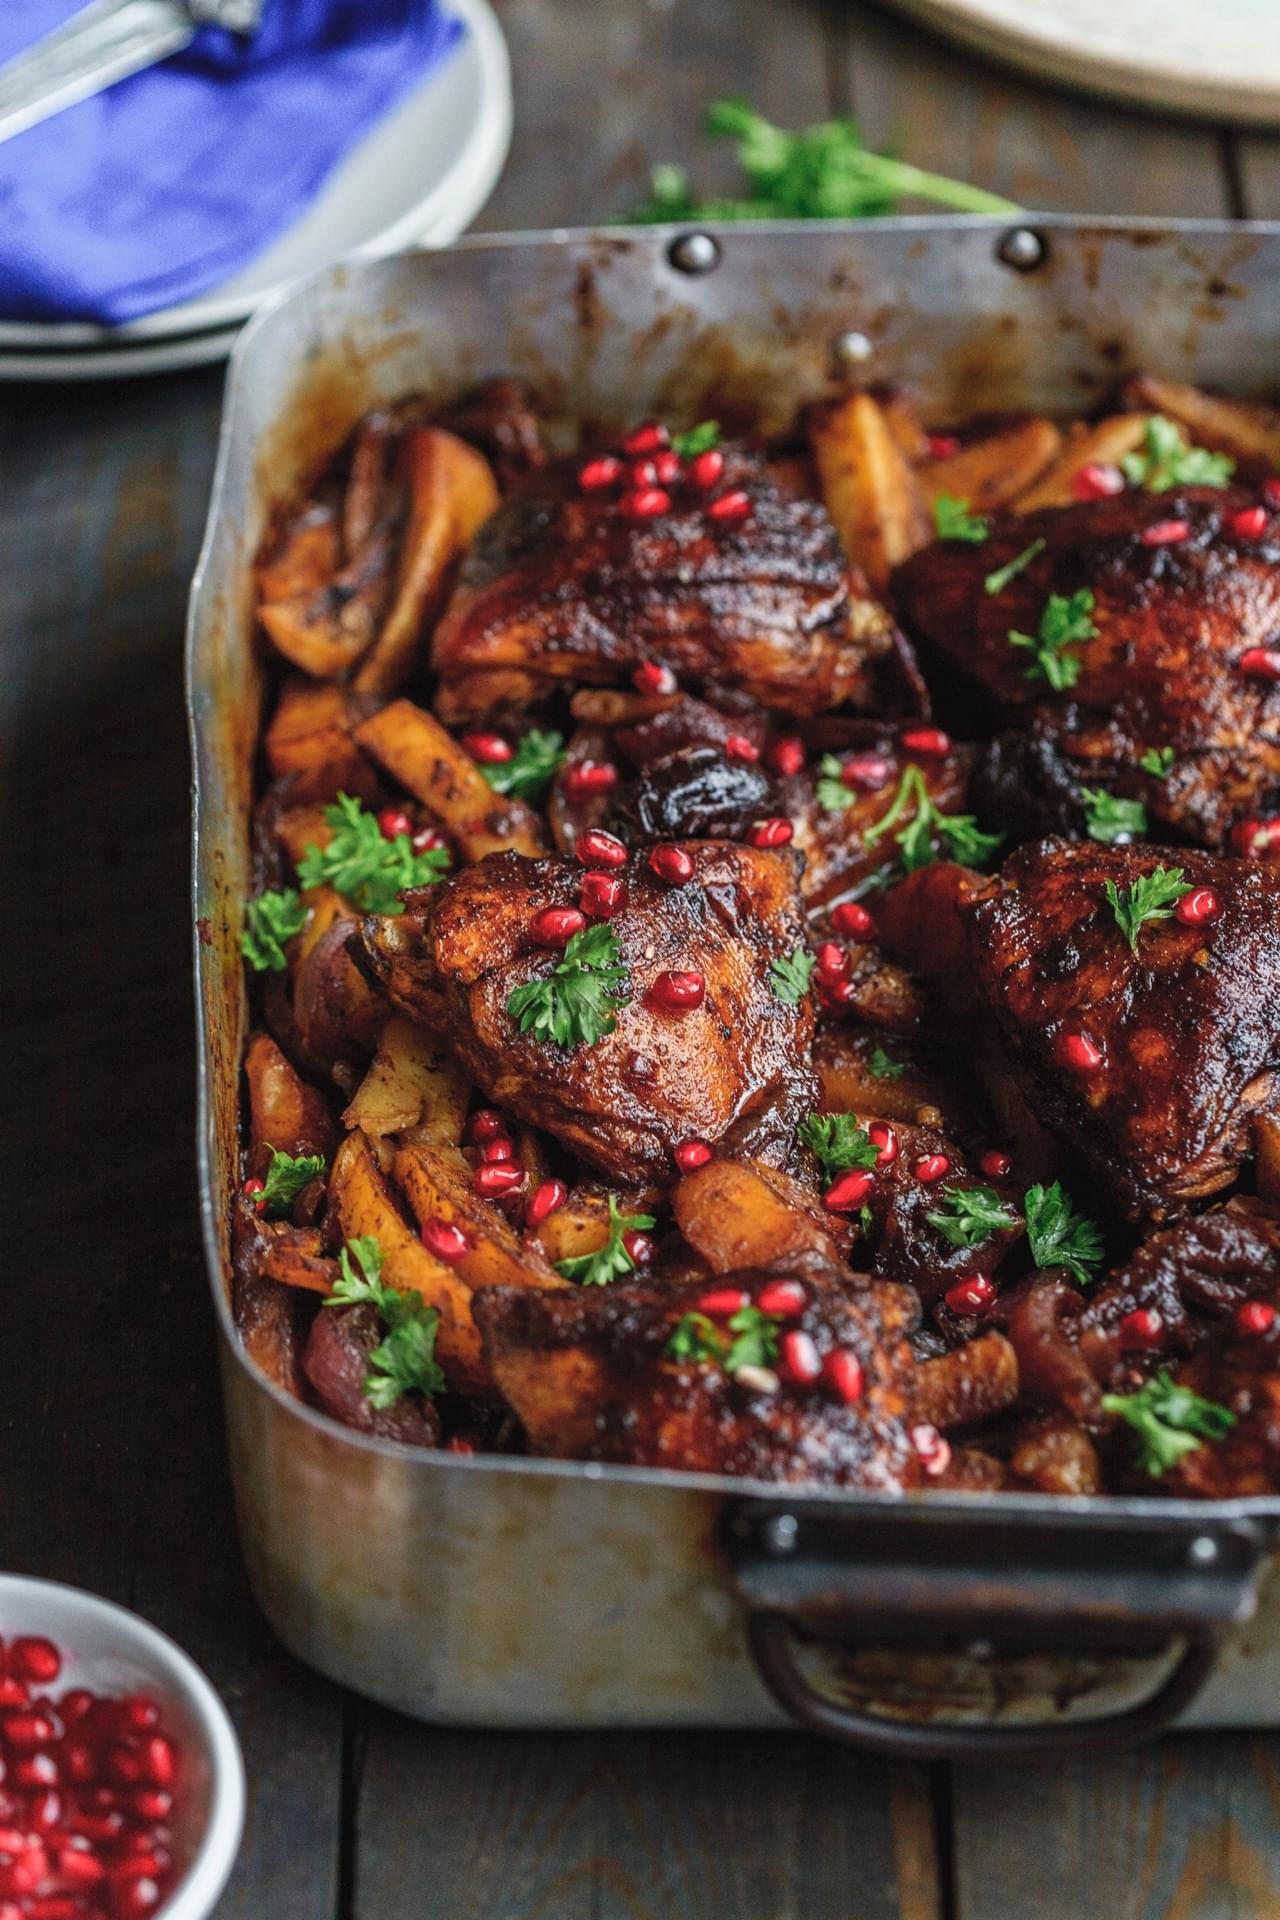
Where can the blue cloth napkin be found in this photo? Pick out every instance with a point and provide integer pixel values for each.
(165, 185)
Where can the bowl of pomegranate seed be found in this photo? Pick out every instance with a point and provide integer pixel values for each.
(121, 1783)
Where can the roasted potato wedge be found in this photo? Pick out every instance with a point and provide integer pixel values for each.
(413, 1087)
(311, 742)
(1105, 444)
(418, 752)
(739, 1213)
(284, 1111)
(437, 1181)
(580, 1226)
(971, 1383)
(989, 473)
(872, 494)
(325, 630)
(1243, 429)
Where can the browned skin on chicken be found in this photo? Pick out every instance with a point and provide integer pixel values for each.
(561, 585)
(498, 418)
(907, 1246)
(1188, 1027)
(1173, 620)
(735, 1071)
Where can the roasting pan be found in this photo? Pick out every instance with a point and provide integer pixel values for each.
(512, 1592)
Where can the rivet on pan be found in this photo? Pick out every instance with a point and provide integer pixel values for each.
(694, 253)
(980, 1649)
(1202, 1551)
(1021, 249)
(780, 1534)
(851, 350)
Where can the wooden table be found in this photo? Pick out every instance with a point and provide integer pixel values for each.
(111, 1460)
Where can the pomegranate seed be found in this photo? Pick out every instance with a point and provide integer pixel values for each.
(76, 1704)
(930, 740)
(848, 1190)
(784, 1297)
(545, 1199)
(459, 1445)
(601, 895)
(77, 1867)
(1271, 492)
(650, 437)
(135, 1899)
(1261, 663)
(833, 960)
(994, 1164)
(853, 921)
(1077, 1051)
(125, 1764)
(31, 1867)
(643, 473)
(671, 863)
(942, 445)
(730, 507)
(447, 1241)
(27, 1731)
(885, 1141)
(55, 1906)
(651, 676)
(690, 1154)
(787, 756)
(677, 992)
(667, 467)
(596, 848)
(1199, 908)
(1255, 839)
(590, 776)
(800, 1361)
(159, 1760)
(970, 1295)
(556, 926)
(393, 821)
(721, 1303)
(1141, 1329)
(491, 748)
(645, 503)
(44, 1809)
(486, 1123)
(103, 1829)
(79, 1764)
(597, 474)
(833, 992)
(773, 832)
(499, 1148)
(934, 1451)
(639, 1246)
(866, 772)
(842, 1370)
(252, 1190)
(139, 1712)
(35, 1660)
(37, 1770)
(1165, 533)
(1254, 1317)
(493, 1180)
(427, 840)
(931, 1167)
(1249, 524)
(1097, 480)
(706, 468)
(738, 747)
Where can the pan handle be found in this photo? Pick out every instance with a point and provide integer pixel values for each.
(953, 1579)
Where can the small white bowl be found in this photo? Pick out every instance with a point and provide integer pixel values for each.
(112, 1651)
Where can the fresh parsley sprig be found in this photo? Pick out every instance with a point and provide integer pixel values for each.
(699, 439)
(1067, 621)
(791, 974)
(363, 865)
(837, 1141)
(404, 1362)
(832, 794)
(918, 840)
(609, 1262)
(952, 520)
(996, 582)
(821, 172)
(269, 921)
(1157, 761)
(969, 1215)
(1165, 460)
(536, 760)
(1152, 896)
(882, 1067)
(578, 1004)
(696, 1337)
(1109, 819)
(1170, 1421)
(1058, 1236)
(286, 1177)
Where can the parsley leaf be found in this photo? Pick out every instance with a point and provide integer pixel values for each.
(1108, 818)
(611, 1261)
(269, 921)
(286, 1177)
(821, 172)
(953, 521)
(882, 1067)
(364, 866)
(1165, 460)
(1157, 761)
(756, 1344)
(996, 582)
(790, 976)
(359, 1273)
(833, 795)
(404, 1362)
(699, 439)
(528, 773)
(696, 1337)
(1153, 896)
(837, 1141)
(1059, 1236)
(1169, 1420)
(578, 1004)
(1065, 622)
(917, 840)
(969, 1214)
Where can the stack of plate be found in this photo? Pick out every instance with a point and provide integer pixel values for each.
(419, 178)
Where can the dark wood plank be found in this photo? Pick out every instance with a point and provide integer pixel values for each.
(1186, 1828)
(112, 1466)
(490, 1826)
(954, 114)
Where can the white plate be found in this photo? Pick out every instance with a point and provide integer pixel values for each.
(420, 177)
(1193, 56)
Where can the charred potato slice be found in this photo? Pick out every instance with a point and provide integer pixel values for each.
(426, 759)
(1105, 444)
(989, 473)
(1243, 429)
(872, 494)
(738, 1213)
(413, 1087)
(437, 1181)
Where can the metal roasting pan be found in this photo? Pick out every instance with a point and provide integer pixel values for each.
(512, 1592)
